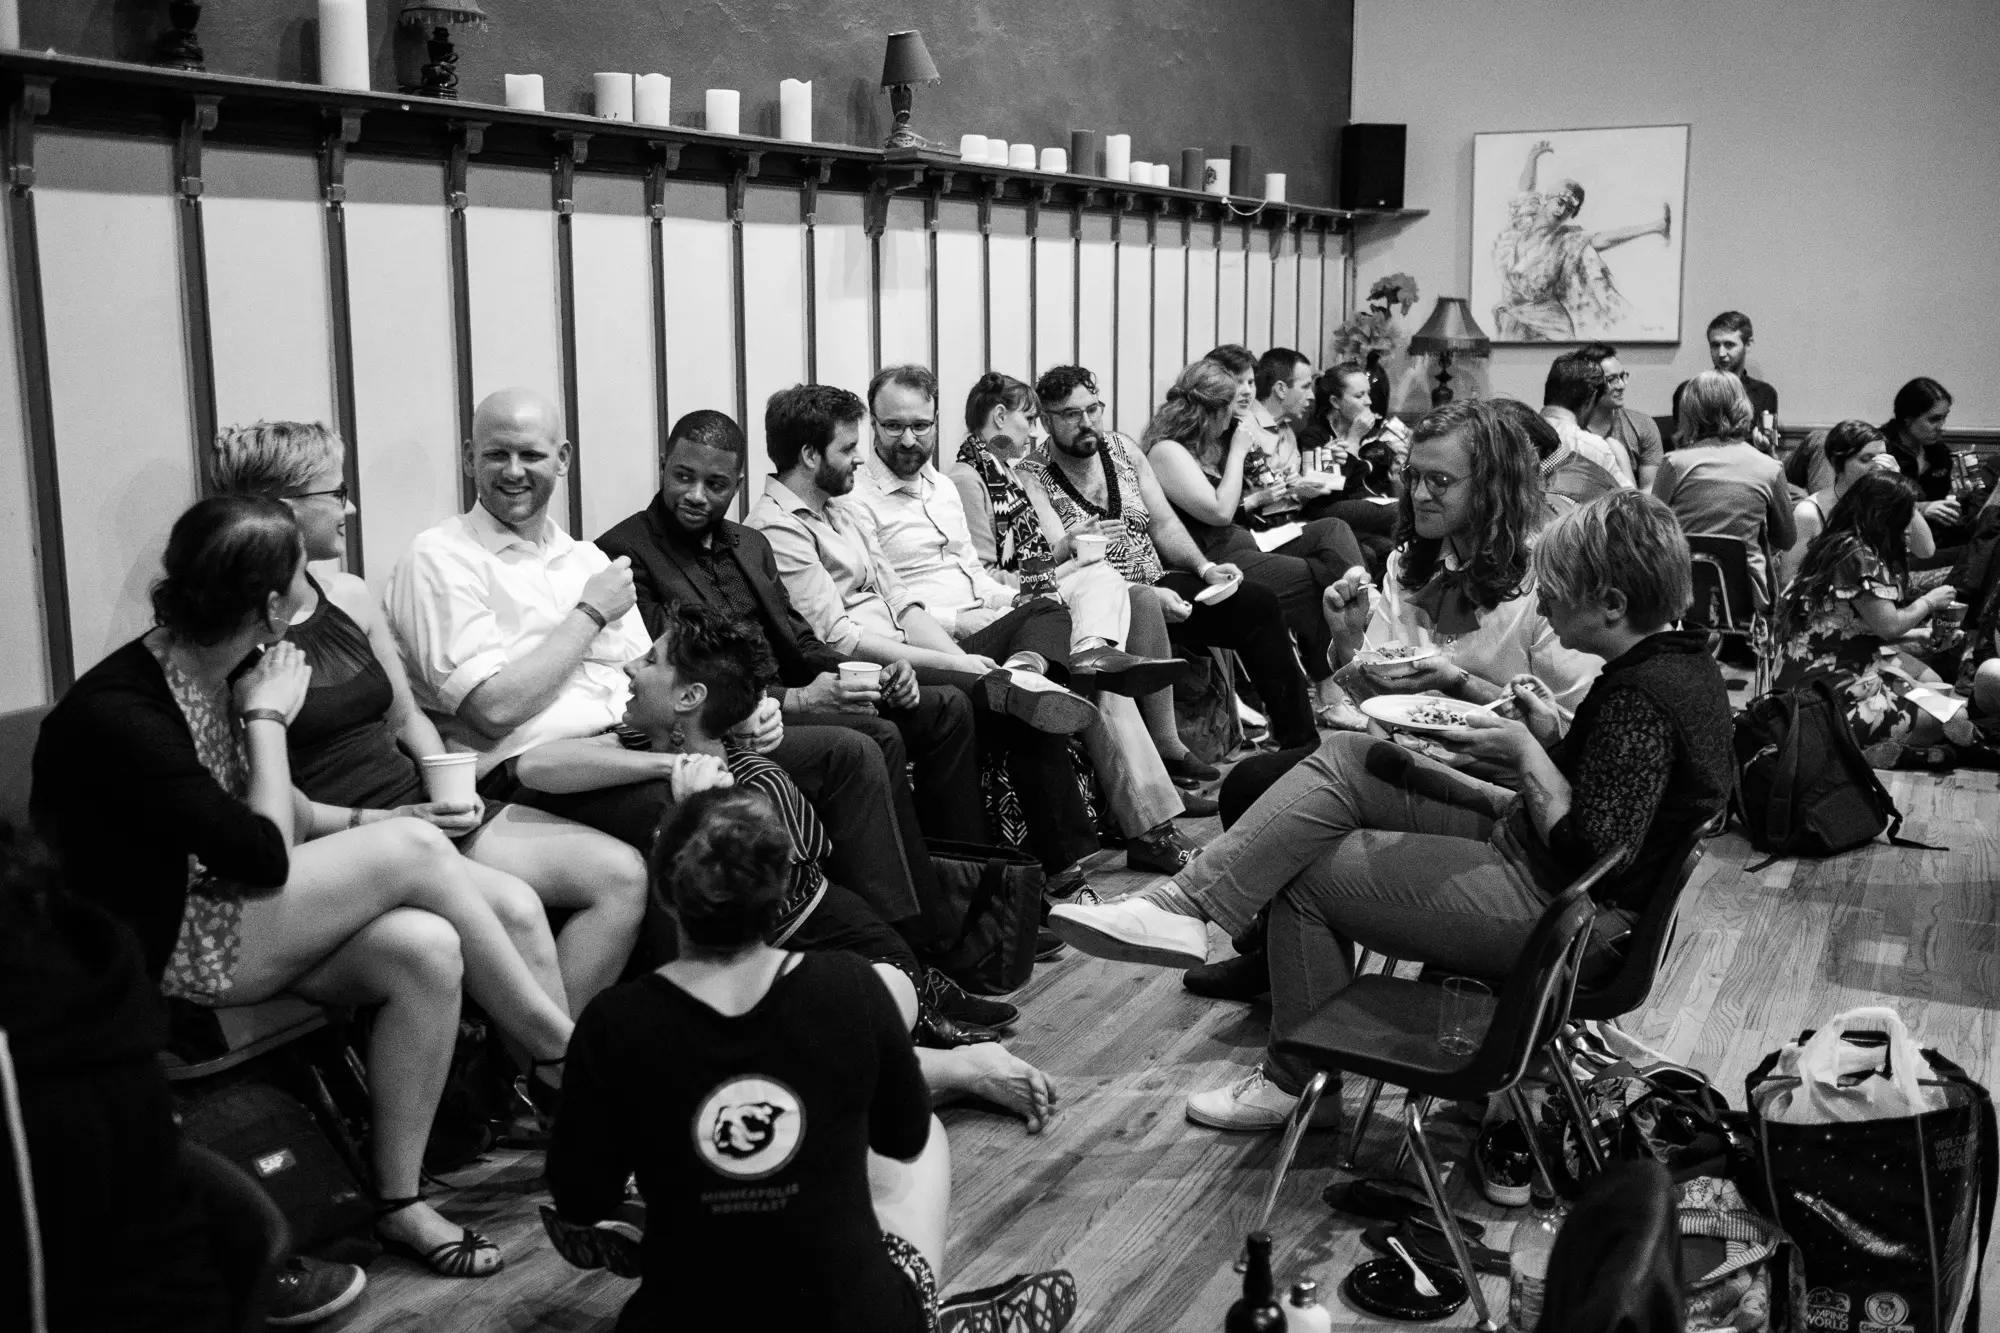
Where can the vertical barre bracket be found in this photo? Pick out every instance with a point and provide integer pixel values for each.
(30, 104)
(749, 164)
(665, 159)
(343, 128)
(572, 151)
(989, 190)
(198, 121)
(1037, 195)
(467, 138)
(819, 170)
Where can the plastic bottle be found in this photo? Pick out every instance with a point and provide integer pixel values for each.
(1303, 1312)
(1528, 1262)
(1258, 1311)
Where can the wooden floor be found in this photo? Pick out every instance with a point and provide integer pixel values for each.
(1149, 1211)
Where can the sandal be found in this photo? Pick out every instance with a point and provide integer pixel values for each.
(454, 1258)
(1393, 1201)
(1024, 1303)
(612, 1244)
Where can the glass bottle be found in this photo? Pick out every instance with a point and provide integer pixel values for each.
(1258, 1311)
(1303, 1312)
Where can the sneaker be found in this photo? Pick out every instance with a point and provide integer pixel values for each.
(1024, 1303)
(1133, 930)
(310, 1290)
(1506, 1168)
(1253, 1104)
(949, 998)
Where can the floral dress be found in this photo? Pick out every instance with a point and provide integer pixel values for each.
(1821, 636)
(204, 958)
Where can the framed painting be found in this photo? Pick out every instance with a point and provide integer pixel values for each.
(1577, 234)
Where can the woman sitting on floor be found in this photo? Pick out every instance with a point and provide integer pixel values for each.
(1852, 450)
(1367, 844)
(1850, 603)
(360, 737)
(774, 1112)
(163, 780)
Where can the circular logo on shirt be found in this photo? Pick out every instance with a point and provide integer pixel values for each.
(1886, 1307)
(749, 1127)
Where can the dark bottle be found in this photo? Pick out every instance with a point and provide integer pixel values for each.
(1258, 1311)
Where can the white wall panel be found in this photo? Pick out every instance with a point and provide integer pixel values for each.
(1055, 294)
(24, 676)
(1094, 346)
(1312, 340)
(117, 373)
(701, 334)
(1201, 292)
(905, 296)
(616, 412)
(1257, 273)
(845, 303)
(510, 237)
(267, 297)
(1169, 311)
(1285, 298)
(1010, 296)
(1135, 330)
(405, 396)
(961, 305)
(1230, 276)
(774, 306)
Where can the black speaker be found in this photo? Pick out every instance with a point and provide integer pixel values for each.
(1371, 166)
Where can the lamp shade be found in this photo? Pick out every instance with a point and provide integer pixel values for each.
(907, 60)
(1450, 328)
(442, 13)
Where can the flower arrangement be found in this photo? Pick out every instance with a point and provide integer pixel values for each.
(1373, 329)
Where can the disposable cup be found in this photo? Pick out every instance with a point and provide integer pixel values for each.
(1462, 1017)
(451, 778)
(1950, 614)
(860, 673)
(1089, 547)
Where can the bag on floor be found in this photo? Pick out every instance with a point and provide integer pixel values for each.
(272, 1136)
(995, 894)
(1804, 788)
(1880, 1187)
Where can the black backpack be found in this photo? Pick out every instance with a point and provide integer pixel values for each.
(1803, 785)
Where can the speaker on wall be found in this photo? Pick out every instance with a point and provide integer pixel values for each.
(1371, 166)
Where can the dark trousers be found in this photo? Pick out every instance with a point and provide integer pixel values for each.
(1299, 572)
(1373, 526)
(631, 813)
(1042, 626)
(1251, 623)
(841, 920)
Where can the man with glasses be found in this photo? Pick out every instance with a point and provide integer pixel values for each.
(1569, 395)
(1634, 432)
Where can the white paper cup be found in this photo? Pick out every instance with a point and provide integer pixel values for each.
(451, 778)
(861, 673)
(1089, 547)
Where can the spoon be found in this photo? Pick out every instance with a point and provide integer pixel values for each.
(1424, 1285)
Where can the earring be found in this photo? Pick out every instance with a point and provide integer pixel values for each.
(678, 737)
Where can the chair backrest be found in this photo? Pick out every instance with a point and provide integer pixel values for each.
(1646, 947)
(1534, 1000)
(1724, 596)
(18, 733)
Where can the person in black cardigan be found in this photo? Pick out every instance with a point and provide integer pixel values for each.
(163, 782)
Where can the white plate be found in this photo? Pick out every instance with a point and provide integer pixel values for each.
(1218, 592)
(1396, 710)
(1399, 666)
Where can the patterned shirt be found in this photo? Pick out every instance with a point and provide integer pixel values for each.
(1015, 532)
(1133, 554)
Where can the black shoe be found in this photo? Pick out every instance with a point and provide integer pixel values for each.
(946, 996)
(1188, 769)
(1196, 806)
(1163, 851)
(1506, 1168)
(612, 1244)
(1048, 945)
(1044, 706)
(1024, 1303)
(1124, 673)
(310, 1290)
(1243, 977)
(1069, 886)
(941, 1032)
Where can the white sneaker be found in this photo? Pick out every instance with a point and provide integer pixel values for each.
(1254, 1103)
(1133, 930)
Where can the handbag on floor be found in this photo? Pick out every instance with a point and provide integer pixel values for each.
(996, 896)
(1878, 1162)
(274, 1138)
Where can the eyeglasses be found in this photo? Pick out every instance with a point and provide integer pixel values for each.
(1437, 483)
(1075, 415)
(914, 429)
(339, 493)
(1619, 378)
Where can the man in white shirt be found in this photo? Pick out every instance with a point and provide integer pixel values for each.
(1569, 396)
(1284, 402)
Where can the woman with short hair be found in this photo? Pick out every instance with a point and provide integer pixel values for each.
(1721, 484)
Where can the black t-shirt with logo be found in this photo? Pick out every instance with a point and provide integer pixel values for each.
(749, 1137)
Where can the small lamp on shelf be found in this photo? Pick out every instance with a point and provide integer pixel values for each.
(437, 18)
(1450, 329)
(905, 65)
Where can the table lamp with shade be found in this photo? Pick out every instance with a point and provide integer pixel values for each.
(905, 65)
(437, 18)
(1450, 329)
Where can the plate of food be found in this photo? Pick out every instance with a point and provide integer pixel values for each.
(1398, 659)
(1418, 712)
(1218, 592)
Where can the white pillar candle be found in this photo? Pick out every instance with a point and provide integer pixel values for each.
(1216, 179)
(10, 26)
(1022, 155)
(343, 40)
(1162, 175)
(1140, 173)
(795, 110)
(1118, 156)
(725, 110)
(614, 96)
(1274, 186)
(996, 151)
(1055, 160)
(524, 92)
(653, 99)
(972, 148)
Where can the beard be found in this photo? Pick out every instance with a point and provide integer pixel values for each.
(1081, 445)
(832, 480)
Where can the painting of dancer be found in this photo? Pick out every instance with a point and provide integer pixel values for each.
(1576, 234)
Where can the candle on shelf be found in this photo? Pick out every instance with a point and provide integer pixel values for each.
(343, 40)
(1022, 155)
(1191, 168)
(1215, 176)
(1083, 150)
(653, 99)
(996, 151)
(725, 110)
(1055, 160)
(524, 92)
(795, 110)
(1274, 186)
(1140, 173)
(1162, 177)
(972, 148)
(613, 96)
(1240, 179)
(1118, 156)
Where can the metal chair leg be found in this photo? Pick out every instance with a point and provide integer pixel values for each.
(1573, 1094)
(1423, 1105)
(1522, 1112)
(1447, 1221)
(1360, 1127)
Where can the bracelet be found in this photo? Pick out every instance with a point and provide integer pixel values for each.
(250, 715)
(595, 614)
(354, 817)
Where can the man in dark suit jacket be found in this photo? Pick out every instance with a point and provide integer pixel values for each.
(683, 549)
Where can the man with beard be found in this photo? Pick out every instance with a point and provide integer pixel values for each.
(851, 596)
(1729, 337)
(1104, 484)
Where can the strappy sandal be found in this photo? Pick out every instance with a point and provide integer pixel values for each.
(454, 1258)
(536, 1102)
(612, 1244)
(1024, 1303)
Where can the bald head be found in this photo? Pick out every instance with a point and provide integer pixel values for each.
(516, 456)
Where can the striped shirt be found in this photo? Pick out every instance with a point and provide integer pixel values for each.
(810, 843)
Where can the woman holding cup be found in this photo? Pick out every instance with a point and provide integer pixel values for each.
(1852, 449)
(355, 738)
